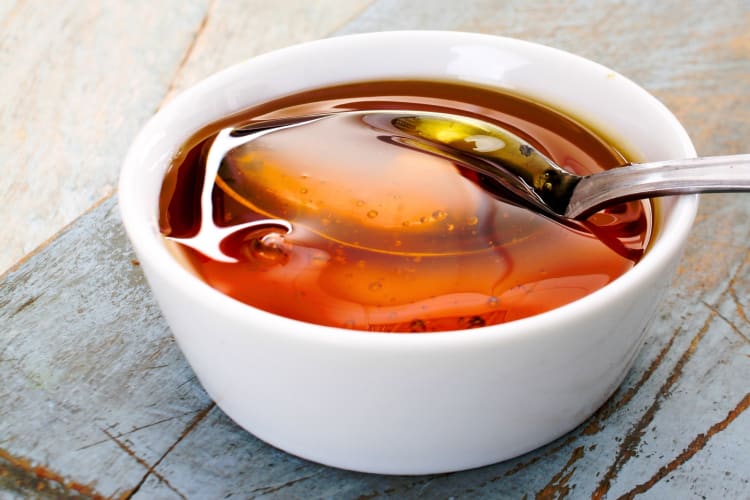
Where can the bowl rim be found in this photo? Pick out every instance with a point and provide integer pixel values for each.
(146, 238)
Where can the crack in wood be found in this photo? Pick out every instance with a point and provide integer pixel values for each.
(157, 367)
(136, 429)
(632, 439)
(728, 321)
(188, 429)
(274, 489)
(188, 52)
(129, 451)
(192, 378)
(738, 306)
(26, 304)
(558, 486)
(24, 476)
(733, 292)
(696, 445)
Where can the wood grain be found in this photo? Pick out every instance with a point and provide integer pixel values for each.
(77, 84)
(80, 79)
(235, 31)
(95, 397)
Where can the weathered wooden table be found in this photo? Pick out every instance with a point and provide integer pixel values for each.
(95, 398)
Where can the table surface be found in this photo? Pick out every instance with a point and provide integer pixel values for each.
(97, 401)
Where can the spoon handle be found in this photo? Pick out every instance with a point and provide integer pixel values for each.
(711, 174)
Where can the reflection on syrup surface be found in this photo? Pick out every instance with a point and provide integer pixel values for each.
(373, 236)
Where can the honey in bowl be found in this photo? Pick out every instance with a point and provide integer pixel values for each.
(332, 222)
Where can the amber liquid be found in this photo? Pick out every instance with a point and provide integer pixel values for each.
(388, 239)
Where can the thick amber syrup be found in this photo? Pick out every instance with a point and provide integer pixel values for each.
(382, 238)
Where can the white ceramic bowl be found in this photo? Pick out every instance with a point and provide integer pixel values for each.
(410, 404)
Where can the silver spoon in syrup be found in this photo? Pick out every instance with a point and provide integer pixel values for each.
(505, 166)
(510, 167)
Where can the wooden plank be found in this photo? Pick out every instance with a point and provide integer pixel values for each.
(105, 69)
(67, 355)
(79, 79)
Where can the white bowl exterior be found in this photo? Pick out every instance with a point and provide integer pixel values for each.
(410, 404)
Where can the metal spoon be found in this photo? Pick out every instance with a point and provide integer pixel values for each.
(509, 164)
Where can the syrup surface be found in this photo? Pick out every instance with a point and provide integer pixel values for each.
(373, 236)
